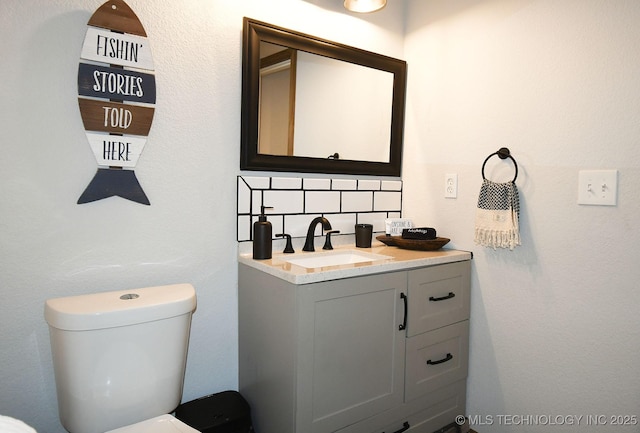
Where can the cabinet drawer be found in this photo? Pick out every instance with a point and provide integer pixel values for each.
(425, 415)
(436, 359)
(438, 296)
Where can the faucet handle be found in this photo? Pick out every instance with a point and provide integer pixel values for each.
(288, 248)
(327, 242)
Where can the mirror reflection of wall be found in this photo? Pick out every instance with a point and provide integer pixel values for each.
(336, 107)
(277, 100)
(342, 107)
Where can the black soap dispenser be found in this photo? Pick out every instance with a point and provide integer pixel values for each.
(262, 235)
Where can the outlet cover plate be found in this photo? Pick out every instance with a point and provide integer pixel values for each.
(598, 187)
(451, 185)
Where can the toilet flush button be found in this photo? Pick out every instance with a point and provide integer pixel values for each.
(129, 296)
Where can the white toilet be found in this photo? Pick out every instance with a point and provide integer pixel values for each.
(119, 358)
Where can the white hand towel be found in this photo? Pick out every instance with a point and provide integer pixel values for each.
(497, 216)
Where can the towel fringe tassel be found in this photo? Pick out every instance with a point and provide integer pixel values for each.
(497, 238)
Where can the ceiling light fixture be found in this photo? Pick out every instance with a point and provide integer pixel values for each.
(364, 6)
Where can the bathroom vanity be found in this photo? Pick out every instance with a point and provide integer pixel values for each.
(379, 344)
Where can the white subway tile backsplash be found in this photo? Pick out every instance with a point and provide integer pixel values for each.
(296, 201)
(369, 185)
(357, 201)
(256, 201)
(276, 224)
(244, 197)
(322, 201)
(244, 227)
(392, 185)
(376, 218)
(387, 200)
(316, 184)
(286, 183)
(344, 184)
(297, 225)
(345, 222)
(257, 182)
(284, 202)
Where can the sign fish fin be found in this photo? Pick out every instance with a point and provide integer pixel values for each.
(109, 182)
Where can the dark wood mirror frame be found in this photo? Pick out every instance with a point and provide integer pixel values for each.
(256, 31)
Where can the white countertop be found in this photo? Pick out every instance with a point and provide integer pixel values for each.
(399, 259)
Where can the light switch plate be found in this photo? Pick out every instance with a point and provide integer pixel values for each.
(598, 187)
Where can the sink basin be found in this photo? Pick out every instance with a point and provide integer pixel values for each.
(348, 257)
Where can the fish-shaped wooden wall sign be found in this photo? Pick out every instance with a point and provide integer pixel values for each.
(116, 95)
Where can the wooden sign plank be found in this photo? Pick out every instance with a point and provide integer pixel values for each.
(117, 15)
(113, 83)
(115, 117)
(117, 49)
(116, 150)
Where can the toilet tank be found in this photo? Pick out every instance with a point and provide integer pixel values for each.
(119, 357)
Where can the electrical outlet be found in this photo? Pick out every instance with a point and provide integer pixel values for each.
(451, 185)
(598, 187)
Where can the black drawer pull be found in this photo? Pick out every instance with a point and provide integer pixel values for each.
(405, 427)
(404, 323)
(449, 296)
(449, 357)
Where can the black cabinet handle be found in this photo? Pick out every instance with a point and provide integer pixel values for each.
(405, 427)
(449, 296)
(449, 357)
(404, 322)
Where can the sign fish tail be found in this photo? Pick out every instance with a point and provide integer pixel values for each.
(109, 182)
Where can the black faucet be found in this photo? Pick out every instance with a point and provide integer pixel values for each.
(327, 242)
(288, 249)
(326, 225)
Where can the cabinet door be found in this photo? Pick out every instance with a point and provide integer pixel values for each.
(350, 350)
(438, 296)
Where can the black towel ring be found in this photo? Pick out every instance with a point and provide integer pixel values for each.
(503, 153)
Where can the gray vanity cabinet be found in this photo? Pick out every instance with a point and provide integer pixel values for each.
(338, 355)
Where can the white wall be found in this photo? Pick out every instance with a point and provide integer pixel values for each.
(50, 246)
(555, 328)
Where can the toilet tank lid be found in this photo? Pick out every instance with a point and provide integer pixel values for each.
(119, 308)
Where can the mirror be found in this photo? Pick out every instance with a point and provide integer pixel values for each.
(311, 105)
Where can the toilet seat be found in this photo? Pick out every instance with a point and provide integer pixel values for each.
(159, 424)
